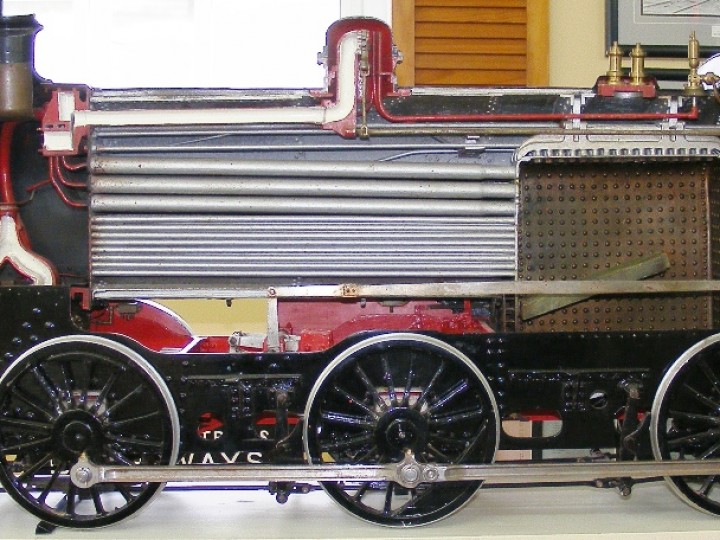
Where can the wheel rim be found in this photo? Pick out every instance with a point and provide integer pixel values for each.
(685, 423)
(391, 393)
(82, 395)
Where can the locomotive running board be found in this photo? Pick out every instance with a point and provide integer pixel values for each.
(408, 473)
(475, 289)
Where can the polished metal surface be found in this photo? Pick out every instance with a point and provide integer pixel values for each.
(302, 169)
(648, 146)
(294, 187)
(408, 472)
(291, 206)
(297, 205)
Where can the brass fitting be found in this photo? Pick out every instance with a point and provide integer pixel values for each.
(694, 85)
(615, 54)
(637, 68)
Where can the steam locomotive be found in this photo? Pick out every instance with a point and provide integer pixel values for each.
(440, 267)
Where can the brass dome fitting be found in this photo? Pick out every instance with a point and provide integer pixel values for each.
(615, 54)
(694, 85)
(637, 69)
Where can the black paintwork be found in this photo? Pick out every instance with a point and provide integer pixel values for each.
(576, 375)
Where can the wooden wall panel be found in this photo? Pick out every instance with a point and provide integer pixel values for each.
(538, 32)
(403, 22)
(472, 42)
(464, 30)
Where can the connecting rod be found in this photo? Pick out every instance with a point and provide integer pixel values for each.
(408, 473)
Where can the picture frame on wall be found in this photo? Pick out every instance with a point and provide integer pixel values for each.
(664, 26)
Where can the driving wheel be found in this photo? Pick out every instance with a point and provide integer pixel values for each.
(685, 422)
(397, 392)
(78, 395)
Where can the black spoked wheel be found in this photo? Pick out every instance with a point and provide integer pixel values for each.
(685, 423)
(82, 395)
(393, 393)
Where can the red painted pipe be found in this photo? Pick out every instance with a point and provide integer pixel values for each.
(7, 197)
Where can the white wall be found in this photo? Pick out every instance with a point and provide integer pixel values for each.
(231, 43)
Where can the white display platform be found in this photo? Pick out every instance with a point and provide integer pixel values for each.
(569, 512)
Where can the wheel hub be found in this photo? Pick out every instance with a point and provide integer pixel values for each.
(76, 436)
(401, 429)
(77, 432)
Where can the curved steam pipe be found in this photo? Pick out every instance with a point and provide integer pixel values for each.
(14, 243)
(343, 106)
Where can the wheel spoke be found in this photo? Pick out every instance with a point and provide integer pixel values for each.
(355, 401)
(124, 400)
(19, 393)
(693, 438)
(102, 396)
(90, 370)
(474, 444)
(29, 473)
(367, 455)
(48, 487)
(437, 453)
(457, 389)
(118, 455)
(361, 491)
(408, 383)
(426, 391)
(348, 419)
(379, 401)
(702, 398)
(348, 443)
(128, 441)
(710, 375)
(694, 418)
(387, 507)
(387, 376)
(125, 492)
(97, 501)
(455, 417)
(69, 382)
(449, 439)
(707, 486)
(70, 498)
(51, 390)
(126, 421)
(24, 446)
(29, 425)
(710, 451)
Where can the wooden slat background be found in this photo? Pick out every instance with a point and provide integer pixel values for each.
(472, 42)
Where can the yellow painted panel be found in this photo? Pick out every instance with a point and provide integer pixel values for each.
(215, 318)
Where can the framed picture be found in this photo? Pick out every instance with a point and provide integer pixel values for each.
(663, 27)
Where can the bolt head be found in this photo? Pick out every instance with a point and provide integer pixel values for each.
(83, 475)
(410, 474)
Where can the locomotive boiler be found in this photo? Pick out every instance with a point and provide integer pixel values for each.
(440, 266)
